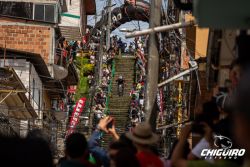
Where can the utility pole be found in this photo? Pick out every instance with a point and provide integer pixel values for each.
(95, 18)
(153, 66)
(109, 6)
(101, 53)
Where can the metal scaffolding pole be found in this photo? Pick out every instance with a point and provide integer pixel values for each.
(13, 91)
(177, 76)
(109, 24)
(6, 96)
(160, 29)
(172, 125)
(101, 54)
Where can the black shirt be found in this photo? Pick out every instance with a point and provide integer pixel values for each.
(120, 81)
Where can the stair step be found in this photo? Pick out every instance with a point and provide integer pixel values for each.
(119, 111)
(119, 106)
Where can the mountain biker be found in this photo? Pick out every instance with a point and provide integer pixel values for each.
(120, 82)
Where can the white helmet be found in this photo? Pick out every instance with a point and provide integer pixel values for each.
(120, 77)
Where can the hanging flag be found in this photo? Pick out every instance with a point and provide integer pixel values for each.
(75, 115)
(84, 39)
(179, 109)
(71, 89)
(160, 99)
(160, 103)
(184, 59)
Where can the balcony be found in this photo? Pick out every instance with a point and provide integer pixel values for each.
(64, 67)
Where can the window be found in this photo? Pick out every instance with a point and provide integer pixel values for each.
(45, 12)
(39, 12)
(39, 100)
(50, 13)
(33, 88)
(33, 91)
(31, 11)
(16, 9)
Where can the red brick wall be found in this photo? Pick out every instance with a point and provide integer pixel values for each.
(30, 38)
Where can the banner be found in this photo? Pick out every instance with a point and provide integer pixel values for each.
(179, 108)
(159, 99)
(75, 115)
(71, 89)
(184, 59)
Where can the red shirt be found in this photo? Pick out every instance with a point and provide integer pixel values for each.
(147, 159)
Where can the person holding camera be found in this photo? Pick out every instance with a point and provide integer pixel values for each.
(106, 125)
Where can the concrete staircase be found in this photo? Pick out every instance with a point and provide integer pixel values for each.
(119, 106)
(70, 33)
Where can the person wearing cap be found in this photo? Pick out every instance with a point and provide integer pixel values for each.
(143, 137)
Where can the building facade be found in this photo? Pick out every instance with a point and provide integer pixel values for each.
(29, 37)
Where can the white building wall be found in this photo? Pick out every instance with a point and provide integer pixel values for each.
(74, 9)
(24, 128)
(28, 75)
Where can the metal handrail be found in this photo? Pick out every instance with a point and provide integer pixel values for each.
(106, 111)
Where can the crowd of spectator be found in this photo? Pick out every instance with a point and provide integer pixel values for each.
(223, 123)
(136, 113)
(218, 126)
(102, 92)
(130, 149)
(222, 126)
(117, 44)
(66, 51)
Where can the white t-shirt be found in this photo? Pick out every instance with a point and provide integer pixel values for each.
(98, 114)
(141, 102)
(203, 144)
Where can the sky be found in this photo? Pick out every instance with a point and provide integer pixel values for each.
(100, 4)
